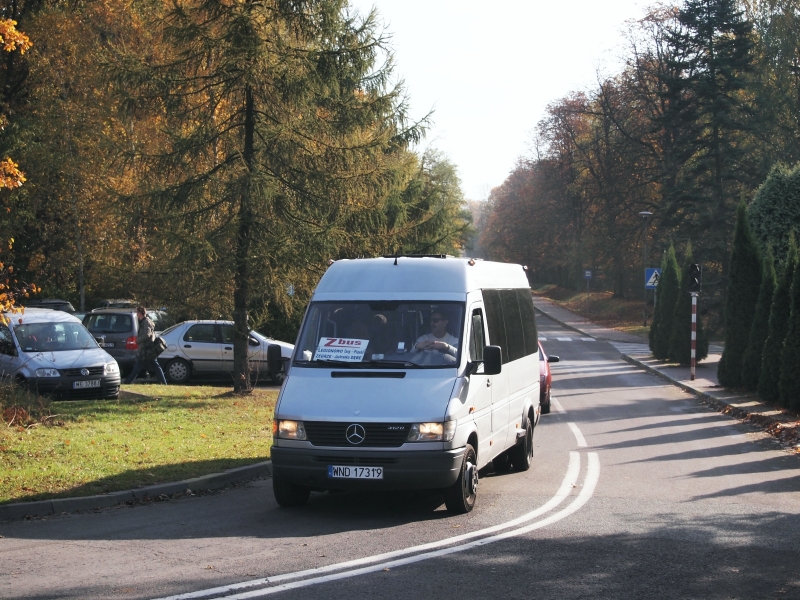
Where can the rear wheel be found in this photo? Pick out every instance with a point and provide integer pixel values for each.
(522, 454)
(289, 494)
(178, 371)
(460, 497)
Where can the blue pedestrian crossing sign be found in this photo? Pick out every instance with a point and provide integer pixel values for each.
(651, 277)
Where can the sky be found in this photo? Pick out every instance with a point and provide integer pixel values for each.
(488, 70)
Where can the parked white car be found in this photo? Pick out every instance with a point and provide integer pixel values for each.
(52, 352)
(205, 349)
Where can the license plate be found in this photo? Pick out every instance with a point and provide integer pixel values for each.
(338, 472)
(106, 344)
(92, 383)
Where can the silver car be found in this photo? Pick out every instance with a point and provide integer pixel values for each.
(52, 353)
(205, 349)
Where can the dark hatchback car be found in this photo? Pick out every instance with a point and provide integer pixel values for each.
(116, 330)
(51, 303)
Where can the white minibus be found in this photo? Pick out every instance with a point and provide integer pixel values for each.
(410, 372)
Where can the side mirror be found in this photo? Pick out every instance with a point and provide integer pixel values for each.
(274, 359)
(253, 341)
(553, 359)
(492, 360)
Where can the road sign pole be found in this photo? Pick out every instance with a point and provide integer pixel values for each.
(694, 333)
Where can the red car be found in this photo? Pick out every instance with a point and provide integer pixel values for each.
(545, 379)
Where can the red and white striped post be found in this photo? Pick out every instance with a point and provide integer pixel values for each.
(694, 332)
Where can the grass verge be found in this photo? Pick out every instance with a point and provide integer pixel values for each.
(165, 433)
(600, 307)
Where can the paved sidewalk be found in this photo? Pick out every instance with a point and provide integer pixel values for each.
(776, 421)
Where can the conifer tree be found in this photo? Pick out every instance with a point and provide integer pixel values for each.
(680, 345)
(751, 362)
(789, 381)
(668, 285)
(744, 282)
(769, 381)
(282, 135)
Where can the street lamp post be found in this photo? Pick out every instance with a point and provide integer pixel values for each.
(645, 214)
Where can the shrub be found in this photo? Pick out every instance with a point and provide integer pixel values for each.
(680, 344)
(768, 382)
(753, 354)
(789, 381)
(668, 287)
(744, 282)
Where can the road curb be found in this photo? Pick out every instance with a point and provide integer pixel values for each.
(213, 481)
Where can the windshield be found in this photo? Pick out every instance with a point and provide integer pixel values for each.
(381, 334)
(41, 337)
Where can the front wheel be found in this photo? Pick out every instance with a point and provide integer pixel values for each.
(289, 494)
(178, 371)
(546, 404)
(460, 497)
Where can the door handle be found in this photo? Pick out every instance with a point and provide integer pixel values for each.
(186, 346)
(228, 348)
(488, 382)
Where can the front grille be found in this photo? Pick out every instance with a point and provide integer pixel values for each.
(355, 460)
(376, 435)
(77, 372)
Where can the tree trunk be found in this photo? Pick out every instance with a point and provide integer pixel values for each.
(241, 294)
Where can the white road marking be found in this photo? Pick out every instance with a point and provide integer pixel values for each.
(557, 404)
(589, 484)
(570, 479)
(578, 435)
(564, 339)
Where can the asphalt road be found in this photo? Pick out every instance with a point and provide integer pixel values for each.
(638, 491)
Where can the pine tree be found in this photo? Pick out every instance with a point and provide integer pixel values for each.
(669, 286)
(769, 381)
(281, 137)
(680, 346)
(789, 381)
(753, 354)
(744, 282)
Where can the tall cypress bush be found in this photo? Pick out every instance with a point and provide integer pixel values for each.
(668, 287)
(790, 355)
(651, 335)
(680, 344)
(744, 283)
(753, 354)
(769, 381)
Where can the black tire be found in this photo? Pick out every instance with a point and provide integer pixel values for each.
(289, 494)
(522, 454)
(546, 404)
(178, 371)
(460, 497)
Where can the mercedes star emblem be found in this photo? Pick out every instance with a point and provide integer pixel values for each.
(355, 434)
(84, 371)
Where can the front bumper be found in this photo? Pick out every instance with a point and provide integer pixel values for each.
(411, 470)
(64, 387)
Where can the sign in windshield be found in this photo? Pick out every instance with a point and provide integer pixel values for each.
(381, 334)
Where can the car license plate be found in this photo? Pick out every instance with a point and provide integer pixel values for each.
(91, 383)
(106, 344)
(340, 472)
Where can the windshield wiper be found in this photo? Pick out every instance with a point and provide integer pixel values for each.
(392, 364)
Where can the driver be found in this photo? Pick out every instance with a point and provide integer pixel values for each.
(438, 339)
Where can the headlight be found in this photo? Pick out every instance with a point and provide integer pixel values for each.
(112, 368)
(432, 432)
(47, 373)
(289, 430)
